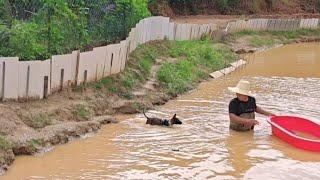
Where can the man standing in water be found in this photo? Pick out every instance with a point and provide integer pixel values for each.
(242, 108)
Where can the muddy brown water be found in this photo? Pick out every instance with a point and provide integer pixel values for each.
(285, 80)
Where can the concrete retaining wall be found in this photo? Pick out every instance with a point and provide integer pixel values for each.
(36, 79)
(272, 24)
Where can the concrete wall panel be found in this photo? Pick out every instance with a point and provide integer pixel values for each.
(277, 25)
(109, 58)
(259, 23)
(296, 24)
(236, 26)
(100, 54)
(86, 63)
(231, 26)
(165, 27)
(11, 77)
(61, 63)
(187, 32)
(130, 39)
(115, 60)
(141, 34)
(271, 23)
(153, 28)
(315, 23)
(283, 23)
(159, 33)
(289, 24)
(253, 24)
(307, 23)
(144, 31)
(178, 30)
(194, 31)
(149, 29)
(32, 86)
(243, 25)
(122, 55)
(246, 25)
(310, 23)
(137, 35)
(45, 71)
(171, 31)
(30, 81)
(74, 57)
(135, 39)
(23, 78)
(125, 54)
(264, 24)
(145, 27)
(303, 23)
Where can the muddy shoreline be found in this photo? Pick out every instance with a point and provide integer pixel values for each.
(71, 120)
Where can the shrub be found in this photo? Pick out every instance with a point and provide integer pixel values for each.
(4, 143)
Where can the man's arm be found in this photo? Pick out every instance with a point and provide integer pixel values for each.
(237, 119)
(264, 112)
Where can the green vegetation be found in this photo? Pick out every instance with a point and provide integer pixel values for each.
(38, 121)
(286, 34)
(138, 106)
(34, 144)
(269, 38)
(4, 143)
(260, 41)
(81, 111)
(37, 29)
(197, 60)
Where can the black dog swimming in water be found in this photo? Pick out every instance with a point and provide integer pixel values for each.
(162, 122)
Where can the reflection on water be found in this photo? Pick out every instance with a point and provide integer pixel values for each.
(285, 80)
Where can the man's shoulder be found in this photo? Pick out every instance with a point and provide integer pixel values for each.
(234, 100)
(252, 98)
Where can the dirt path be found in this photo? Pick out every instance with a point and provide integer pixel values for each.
(152, 83)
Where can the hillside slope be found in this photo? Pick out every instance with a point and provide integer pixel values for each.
(232, 7)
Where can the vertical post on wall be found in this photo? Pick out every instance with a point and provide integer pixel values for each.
(104, 70)
(111, 63)
(85, 75)
(77, 69)
(96, 77)
(119, 58)
(127, 55)
(45, 87)
(61, 79)
(3, 79)
(50, 71)
(175, 32)
(28, 81)
(191, 32)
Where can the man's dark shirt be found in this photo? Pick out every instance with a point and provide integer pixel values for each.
(238, 107)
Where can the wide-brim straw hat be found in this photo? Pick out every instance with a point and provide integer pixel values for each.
(243, 87)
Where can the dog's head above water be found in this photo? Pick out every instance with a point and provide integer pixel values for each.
(175, 120)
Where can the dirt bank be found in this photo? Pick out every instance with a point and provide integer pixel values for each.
(238, 7)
